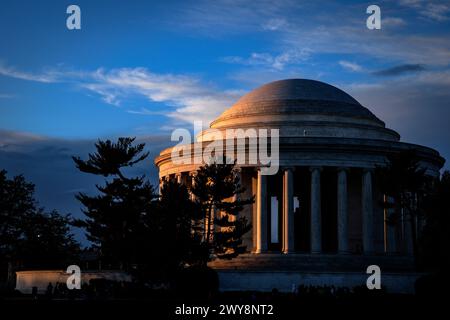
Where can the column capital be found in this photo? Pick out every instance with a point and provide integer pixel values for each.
(314, 168)
(368, 169)
(339, 169)
(288, 168)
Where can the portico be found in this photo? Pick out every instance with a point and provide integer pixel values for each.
(266, 214)
(324, 199)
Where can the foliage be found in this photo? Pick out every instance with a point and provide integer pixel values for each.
(117, 218)
(435, 240)
(29, 236)
(217, 192)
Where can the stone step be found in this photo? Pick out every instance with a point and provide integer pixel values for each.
(309, 262)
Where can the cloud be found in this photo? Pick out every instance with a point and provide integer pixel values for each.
(400, 70)
(46, 77)
(324, 28)
(416, 107)
(6, 96)
(189, 98)
(393, 22)
(145, 112)
(233, 16)
(186, 97)
(267, 60)
(47, 163)
(352, 66)
(274, 24)
(438, 12)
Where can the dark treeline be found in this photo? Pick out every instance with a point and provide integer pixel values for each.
(31, 237)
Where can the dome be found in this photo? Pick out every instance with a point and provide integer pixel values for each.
(297, 89)
(300, 107)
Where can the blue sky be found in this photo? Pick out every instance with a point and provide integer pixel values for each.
(143, 68)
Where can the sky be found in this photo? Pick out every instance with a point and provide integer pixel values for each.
(144, 68)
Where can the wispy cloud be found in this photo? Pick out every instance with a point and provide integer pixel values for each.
(46, 77)
(187, 97)
(435, 10)
(145, 112)
(416, 107)
(337, 29)
(234, 16)
(6, 96)
(400, 70)
(274, 24)
(392, 22)
(48, 164)
(277, 62)
(352, 66)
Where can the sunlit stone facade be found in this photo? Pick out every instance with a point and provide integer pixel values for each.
(325, 199)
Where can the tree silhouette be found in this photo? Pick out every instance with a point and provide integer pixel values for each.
(178, 246)
(116, 216)
(406, 183)
(435, 241)
(217, 191)
(29, 236)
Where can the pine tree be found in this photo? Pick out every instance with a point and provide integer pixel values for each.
(217, 190)
(116, 216)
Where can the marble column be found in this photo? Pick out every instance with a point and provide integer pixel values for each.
(367, 212)
(192, 175)
(342, 211)
(161, 184)
(261, 213)
(316, 214)
(288, 211)
(179, 178)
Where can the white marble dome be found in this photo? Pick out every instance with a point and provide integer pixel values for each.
(301, 107)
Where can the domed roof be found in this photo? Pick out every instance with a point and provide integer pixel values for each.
(301, 107)
(293, 89)
(300, 97)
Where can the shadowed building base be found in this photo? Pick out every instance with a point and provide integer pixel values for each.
(265, 272)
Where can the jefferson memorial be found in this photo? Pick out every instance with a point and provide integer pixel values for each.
(319, 219)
